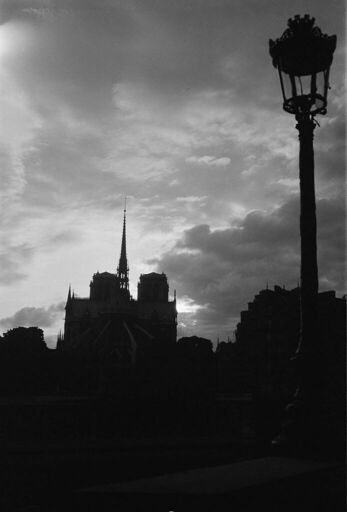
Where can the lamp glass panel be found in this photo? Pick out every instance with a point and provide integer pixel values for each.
(287, 86)
(320, 80)
(303, 85)
(295, 86)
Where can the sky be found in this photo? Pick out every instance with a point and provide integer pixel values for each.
(174, 104)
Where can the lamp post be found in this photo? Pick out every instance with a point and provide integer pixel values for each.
(303, 56)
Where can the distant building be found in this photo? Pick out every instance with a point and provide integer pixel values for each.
(268, 334)
(113, 325)
(261, 362)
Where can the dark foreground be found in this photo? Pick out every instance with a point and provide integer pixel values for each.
(181, 475)
(78, 454)
(45, 476)
(271, 484)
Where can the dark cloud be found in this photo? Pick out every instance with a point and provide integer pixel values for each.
(330, 154)
(331, 219)
(16, 259)
(221, 270)
(30, 316)
(10, 273)
(71, 236)
(13, 260)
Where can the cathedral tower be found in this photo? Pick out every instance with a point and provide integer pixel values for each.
(111, 322)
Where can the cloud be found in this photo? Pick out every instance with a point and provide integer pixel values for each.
(13, 260)
(191, 199)
(16, 141)
(17, 258)
(221, 270)
(209, 160)
(36, 317)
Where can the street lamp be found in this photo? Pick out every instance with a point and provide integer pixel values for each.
(303, 56)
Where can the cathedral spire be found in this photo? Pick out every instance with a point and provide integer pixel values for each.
(123, 268)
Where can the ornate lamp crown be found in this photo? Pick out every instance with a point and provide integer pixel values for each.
(303, 56)
(302, 49)
(301, 26)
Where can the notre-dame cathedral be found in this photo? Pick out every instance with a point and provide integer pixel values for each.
(113, 325)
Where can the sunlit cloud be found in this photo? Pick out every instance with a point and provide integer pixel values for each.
(209, 160)
(29, 316)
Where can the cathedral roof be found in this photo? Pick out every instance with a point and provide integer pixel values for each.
(154, 275)
(105, 275)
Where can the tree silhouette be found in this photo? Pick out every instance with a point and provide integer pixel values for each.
(23, 342)
(23, 357)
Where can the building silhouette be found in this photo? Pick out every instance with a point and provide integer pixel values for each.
(114, 327)
(262, 360)
(267, 338)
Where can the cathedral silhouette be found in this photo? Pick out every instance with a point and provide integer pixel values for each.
(113, 326)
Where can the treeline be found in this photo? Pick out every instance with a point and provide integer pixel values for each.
(190, 368)
(171, 390)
